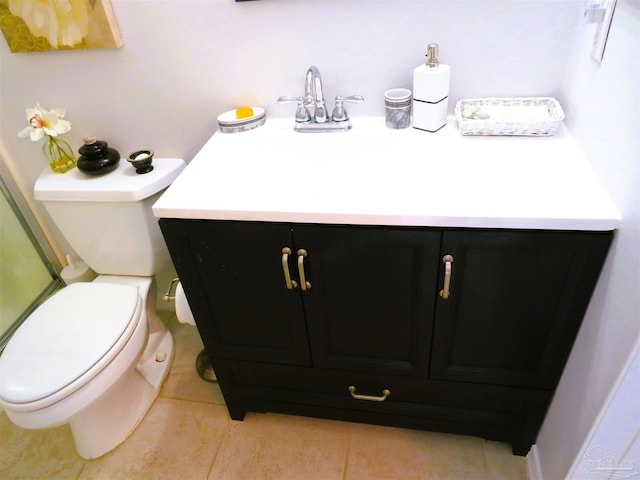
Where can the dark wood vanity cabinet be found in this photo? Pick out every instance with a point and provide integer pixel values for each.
(458, 330)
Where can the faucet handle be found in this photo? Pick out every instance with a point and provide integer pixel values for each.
(339, 113)
(351, 98)
(302, 114)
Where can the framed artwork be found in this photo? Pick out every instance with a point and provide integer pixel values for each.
(43, 25)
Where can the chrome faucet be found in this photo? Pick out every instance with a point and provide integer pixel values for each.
(313, 93)
(314, 96)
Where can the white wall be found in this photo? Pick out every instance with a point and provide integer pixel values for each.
(602, 103)
(616, 435)
(184, 62)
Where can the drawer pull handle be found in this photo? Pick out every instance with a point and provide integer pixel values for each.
(448, 260)
(385, 393)
(304, 285)
(291, 284)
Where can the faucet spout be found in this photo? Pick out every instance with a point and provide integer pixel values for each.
(313, 93)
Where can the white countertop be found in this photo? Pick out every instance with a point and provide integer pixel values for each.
(373, 175)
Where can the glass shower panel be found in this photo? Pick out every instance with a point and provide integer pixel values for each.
(26, 277)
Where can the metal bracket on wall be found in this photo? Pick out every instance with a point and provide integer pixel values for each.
(600, 12)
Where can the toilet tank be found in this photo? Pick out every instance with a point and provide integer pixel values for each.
(107, 219)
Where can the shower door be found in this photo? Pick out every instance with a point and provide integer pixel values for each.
(27, 272)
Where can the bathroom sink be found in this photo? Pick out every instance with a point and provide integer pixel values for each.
(376, 175)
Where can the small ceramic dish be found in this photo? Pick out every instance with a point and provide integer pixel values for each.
(141, 160)
(229, 123)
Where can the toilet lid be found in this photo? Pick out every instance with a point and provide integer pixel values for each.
(63, 338)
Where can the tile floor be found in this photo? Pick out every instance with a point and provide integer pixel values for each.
(188, 435)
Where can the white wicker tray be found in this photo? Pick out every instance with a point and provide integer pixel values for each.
(530, 116)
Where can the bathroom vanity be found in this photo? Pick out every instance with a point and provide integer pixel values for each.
(395, 277)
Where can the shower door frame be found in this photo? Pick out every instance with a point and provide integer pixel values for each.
(39, 241)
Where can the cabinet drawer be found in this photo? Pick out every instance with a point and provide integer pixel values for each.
(448, 401)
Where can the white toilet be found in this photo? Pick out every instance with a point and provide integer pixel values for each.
(95, 354)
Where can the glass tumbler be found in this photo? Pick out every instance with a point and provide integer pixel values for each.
(397, 108)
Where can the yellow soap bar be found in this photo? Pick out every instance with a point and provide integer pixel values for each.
(244, 112)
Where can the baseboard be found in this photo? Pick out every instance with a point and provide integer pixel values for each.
(533, 464)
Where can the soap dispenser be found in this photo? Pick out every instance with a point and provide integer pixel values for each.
(431, 92)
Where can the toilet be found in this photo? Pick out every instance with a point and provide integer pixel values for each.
(95, 354)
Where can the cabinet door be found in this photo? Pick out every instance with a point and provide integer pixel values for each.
(516, 302)
(371, 302)
(233, 278)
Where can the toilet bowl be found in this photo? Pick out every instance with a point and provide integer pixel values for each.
(89, 356)
(95, 354)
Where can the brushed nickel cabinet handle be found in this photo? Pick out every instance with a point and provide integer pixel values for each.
(291, 284)
(445, 292)
(304, 285)
(385, 393)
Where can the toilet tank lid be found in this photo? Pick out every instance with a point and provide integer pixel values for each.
(120, 185)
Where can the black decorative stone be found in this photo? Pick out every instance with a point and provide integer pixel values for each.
(96, 157)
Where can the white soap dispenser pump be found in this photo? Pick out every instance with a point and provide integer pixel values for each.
(431, 92)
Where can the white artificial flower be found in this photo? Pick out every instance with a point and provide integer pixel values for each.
(45, 122)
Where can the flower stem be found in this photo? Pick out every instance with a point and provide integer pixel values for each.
(60, 155)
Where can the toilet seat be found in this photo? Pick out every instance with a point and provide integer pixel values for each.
(67, 341)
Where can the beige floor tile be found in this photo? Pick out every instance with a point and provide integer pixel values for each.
(176, 440)
(378, 453)
(37, 454)
(282, 447)
(502, 464)
(183, 381)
